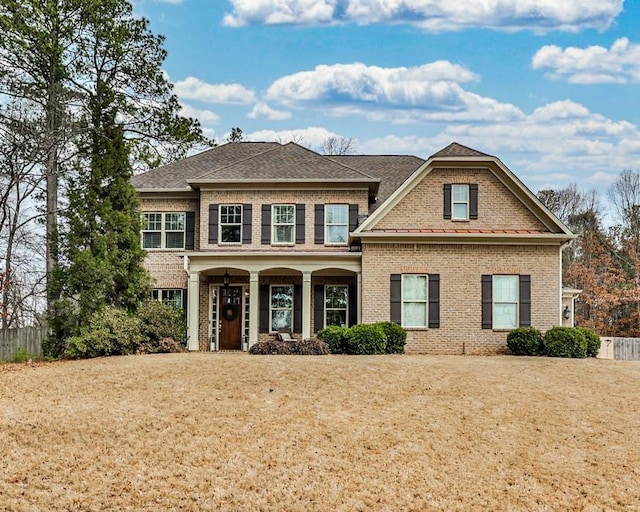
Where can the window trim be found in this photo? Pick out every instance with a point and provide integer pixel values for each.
(158, 294)
(222, 224)
(494, 302)
(424, 301)
(467, 202)
(327, 224)
(345, 309)
(292, 241)
(271, 308)
(163, 231)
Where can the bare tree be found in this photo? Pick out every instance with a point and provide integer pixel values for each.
(624, 195)
(338, 146)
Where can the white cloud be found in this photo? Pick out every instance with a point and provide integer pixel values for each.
(264, 111)
(193, 88)
(311, 137)
(206, 117)
(435, 15)
(430, 92)
(591, 65)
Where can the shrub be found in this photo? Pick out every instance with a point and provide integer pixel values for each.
(525, 341)
(21, 355)
(593, 341)
(312, 347)
(162, 327)
(565, 342)
(335, 337)
(366, 339)
(273, 347)
(110, 331)
(396, 337)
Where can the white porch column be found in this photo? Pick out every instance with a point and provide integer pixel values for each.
(193, 322)
(359, 297)
(306, 305)
(254, 295)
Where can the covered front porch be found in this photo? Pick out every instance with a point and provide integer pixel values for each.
(238, 299)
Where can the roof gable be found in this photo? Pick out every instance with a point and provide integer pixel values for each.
(454, 149)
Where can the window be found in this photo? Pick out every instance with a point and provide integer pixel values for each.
(336, 222)
(505, 302)
(336, 301)
(230, 223)
(163, 230)
(172, 297)
(460, 201)
(281, 307)
(415, 300)
(283, 224)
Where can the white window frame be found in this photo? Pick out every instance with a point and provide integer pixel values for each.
(328, 224)
(162, 295)
(424, 301)
(455, 202)
(164, 231)
(275, 224)
(222, 224)
(327, 308)
(496, 303)
(272, 309)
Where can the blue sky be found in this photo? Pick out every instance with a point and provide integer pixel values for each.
(551, 87)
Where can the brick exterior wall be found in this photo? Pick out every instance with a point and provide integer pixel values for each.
(460, 268)
(423, 207)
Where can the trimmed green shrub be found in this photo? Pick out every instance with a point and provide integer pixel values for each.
(593, 341)
(525, 341)
(565, 342)
(162, 327)
(396, 337)
(366, 339)
(110, 331)
(335, 337)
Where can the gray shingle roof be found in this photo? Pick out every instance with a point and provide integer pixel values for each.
(455, 149)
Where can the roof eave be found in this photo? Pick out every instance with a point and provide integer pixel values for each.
(466, 238)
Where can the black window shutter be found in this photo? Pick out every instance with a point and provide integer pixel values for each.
(300, 223)
(190, 234)
(396, 298)
(525, 301)
(353, 217)
(318, 307)
(434, 301)
(246, 223)
(318, 237)
(266, 224)
(473, 201)
(264, 308)
(487, 301)
(297, 308)
(353, 305)
(447, 200)
(213, 223)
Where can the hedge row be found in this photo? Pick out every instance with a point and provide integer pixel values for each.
(576, 342)
(362, 339)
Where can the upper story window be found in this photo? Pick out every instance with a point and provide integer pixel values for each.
(283, 222)
(230, 223)
(163, 230)
(460, 202)
(336, 223)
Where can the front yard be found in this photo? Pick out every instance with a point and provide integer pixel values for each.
(238, 432)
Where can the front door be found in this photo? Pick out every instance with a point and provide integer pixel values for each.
(231, 318)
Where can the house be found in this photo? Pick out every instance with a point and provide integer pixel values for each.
(256, 237)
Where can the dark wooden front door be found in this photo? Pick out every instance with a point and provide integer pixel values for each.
(231, 318)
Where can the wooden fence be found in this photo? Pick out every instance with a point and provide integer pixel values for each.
(28, 339)
(623, 349)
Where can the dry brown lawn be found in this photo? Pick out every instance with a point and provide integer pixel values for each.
(239, 432)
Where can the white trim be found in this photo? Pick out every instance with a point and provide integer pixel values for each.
(454, 202)
(494, 302)
(273, 224)
(163, 231)
(327, 225)
(292, 309)
(324, 304)
(220, 224)
(425, 302)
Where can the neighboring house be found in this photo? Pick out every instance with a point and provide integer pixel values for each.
(252, 238)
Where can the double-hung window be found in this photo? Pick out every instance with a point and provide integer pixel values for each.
(336, 223)
(163, 230)
(460, 202)
(230, 223)
(505, 301)
(336, 302)
(415, 304)
(281, 307)
(283, 222)
(172, 297)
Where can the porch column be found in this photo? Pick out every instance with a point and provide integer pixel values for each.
(359, 297)
(306, 305)
(193, 321)
(254, 308)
